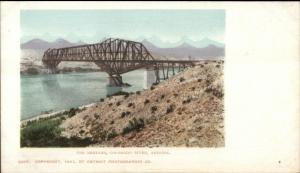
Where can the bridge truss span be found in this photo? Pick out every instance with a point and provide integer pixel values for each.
(114, 56)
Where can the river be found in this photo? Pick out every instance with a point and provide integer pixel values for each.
(54, 92)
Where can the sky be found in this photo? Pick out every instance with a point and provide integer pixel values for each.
(91, 26)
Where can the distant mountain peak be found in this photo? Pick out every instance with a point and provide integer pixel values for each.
(61, 40)
(43, 45)
(148, 44)
(185, 45)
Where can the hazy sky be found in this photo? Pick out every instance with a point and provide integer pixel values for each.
(92, 25)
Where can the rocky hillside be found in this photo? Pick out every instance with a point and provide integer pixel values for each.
(186, 110)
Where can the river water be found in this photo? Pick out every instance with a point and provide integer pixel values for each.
(54, 92)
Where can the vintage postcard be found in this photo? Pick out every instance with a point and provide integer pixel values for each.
(117, 87)
(130, 84)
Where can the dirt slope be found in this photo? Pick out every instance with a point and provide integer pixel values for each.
(186, 110)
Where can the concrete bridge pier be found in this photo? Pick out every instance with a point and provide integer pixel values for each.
(149, 78)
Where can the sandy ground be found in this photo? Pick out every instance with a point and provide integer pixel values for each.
(186, 110)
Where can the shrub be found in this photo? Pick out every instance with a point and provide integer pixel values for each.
(96, 115)
(112, 122)
(134, 125)
(188, 100)
(218, 66)
(152, 88)
(170, 108)
(153, 109)
(109, 104)
(175, 94)
(138, 92)
(199, 80)
(101, 100)
(181, 79)
(118, 103)
(146, 101)
(193, 88)
(162, 96)
(130, 104)
(123, 114)
(215, 92)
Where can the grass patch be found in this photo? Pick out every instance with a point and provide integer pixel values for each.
(72, 112)
(46, 133)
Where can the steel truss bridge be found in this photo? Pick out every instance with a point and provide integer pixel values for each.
(115, 57)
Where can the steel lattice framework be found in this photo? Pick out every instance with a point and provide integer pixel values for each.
(114, 56)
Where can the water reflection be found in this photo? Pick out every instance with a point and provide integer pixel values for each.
(112, 90)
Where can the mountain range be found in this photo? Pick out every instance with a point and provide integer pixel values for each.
(40, 44)
(206, 48)
(167, 44)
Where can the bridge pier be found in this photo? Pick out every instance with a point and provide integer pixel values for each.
(52, 70)
(149, 78)
(115, 81)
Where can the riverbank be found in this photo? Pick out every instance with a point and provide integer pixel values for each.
(51, 115)
(185, 110)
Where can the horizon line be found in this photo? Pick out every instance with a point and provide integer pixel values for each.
(147, 39)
